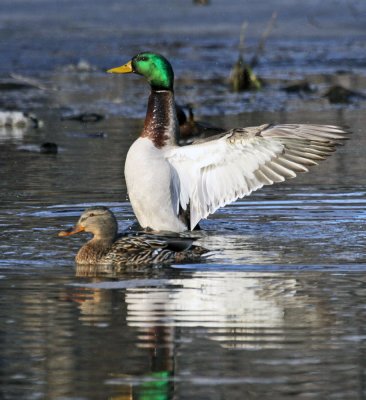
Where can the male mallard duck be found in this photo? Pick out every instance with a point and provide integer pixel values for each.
(163, 179)
(107, 247)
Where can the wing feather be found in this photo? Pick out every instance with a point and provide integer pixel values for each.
(215, 172)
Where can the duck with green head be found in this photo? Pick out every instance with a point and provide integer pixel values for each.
(171, 187)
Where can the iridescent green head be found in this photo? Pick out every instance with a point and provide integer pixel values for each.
(154, 67)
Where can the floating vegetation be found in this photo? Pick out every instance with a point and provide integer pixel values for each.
(48, 148)
(340, 94)
(81, 66)
(242, 76)
(44, 148)
(18, 119)
(299, 87)
(83, 117)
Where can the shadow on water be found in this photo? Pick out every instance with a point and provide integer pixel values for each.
(276, 307)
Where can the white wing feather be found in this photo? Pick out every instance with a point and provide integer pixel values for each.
(214, 172)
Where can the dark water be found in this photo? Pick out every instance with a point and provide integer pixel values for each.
(277, 309)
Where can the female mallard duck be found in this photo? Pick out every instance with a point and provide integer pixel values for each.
(107, 247)
(163, 179)
(190, 129)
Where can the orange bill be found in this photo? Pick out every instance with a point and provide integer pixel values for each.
(71, 231)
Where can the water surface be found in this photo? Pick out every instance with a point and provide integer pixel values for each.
(277, 308)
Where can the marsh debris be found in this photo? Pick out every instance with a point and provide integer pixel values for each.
(201, 2)
(340, 94)
(299, 87)
(49, 148)
(19, 119)
(44, 148)
(83, 117)
(242, 76)
(81, 66)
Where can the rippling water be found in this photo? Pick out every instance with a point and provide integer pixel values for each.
(275, 310)
(277, 307)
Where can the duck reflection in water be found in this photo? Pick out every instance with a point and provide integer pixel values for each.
(233, 309)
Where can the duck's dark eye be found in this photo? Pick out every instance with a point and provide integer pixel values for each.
(143, 58)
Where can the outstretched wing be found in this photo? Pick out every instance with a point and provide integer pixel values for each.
(214, 172)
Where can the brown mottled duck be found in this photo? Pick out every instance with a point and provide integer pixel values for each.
(108, 247)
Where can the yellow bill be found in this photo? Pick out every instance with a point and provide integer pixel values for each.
(124, 69)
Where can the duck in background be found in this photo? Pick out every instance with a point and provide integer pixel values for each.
(190, 129)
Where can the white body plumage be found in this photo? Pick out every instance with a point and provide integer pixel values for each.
(149, 178)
